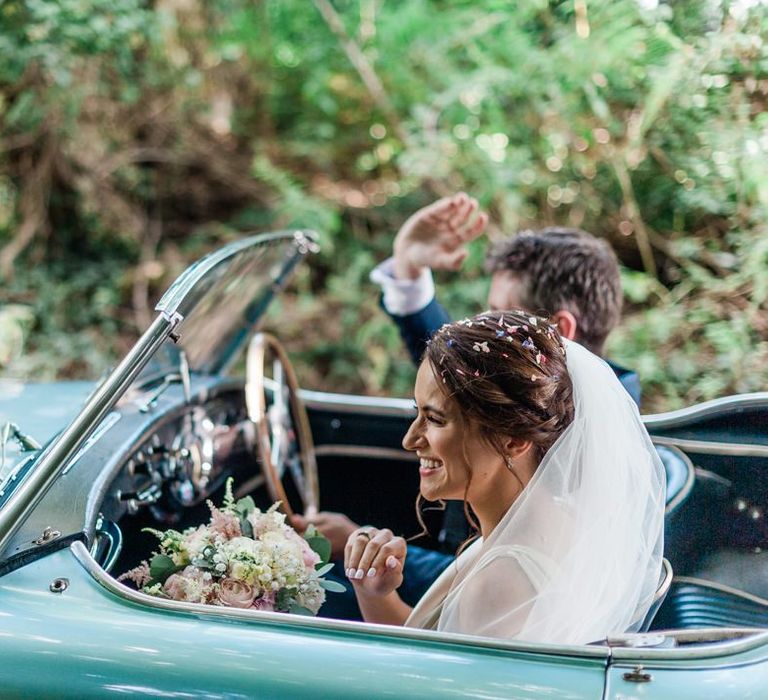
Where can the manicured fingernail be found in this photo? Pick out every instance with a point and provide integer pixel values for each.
(371, 572)
(359, 573)
(350, 573)
(391, 562)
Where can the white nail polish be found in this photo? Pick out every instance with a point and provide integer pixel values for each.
(350, 573)
(359, 573)
(371, 572)
(391, 563)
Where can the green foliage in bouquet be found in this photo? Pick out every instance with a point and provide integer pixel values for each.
(242, 558)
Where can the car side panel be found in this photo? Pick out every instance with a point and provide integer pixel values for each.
(87, 642)
(740, 676)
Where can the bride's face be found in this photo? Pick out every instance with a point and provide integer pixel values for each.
(448, 448)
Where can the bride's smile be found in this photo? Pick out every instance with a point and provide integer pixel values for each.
(428, 467)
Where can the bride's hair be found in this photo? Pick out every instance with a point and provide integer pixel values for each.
(507, 373)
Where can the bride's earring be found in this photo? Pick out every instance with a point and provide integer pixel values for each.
(510, 463)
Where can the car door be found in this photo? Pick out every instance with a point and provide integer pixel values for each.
(89, 636)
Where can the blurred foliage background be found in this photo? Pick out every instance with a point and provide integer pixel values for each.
(136, 135)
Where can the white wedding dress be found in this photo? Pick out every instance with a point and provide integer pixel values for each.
(577, 557)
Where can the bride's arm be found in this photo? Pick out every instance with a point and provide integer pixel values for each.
(373, 562)
(387, 610)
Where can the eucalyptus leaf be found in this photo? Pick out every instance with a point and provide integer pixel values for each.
(245, 506)
(246, 528)
(333, 586)
(321, 546)
(323, 569)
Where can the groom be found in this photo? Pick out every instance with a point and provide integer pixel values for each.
(565, 274)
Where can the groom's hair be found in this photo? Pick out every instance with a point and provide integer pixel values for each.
(565, 268)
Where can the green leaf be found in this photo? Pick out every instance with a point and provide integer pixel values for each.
(300, 610)
(161, 567)
(323, 569)
(245, 506)
(333, 586)
(246, 528)
(321, 546)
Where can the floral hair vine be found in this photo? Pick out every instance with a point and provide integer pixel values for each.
(523, 333)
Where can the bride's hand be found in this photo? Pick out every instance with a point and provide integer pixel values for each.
(373, 561)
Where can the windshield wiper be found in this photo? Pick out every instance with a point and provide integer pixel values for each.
(26, 442)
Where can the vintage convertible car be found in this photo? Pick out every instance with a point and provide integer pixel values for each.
(85, 468)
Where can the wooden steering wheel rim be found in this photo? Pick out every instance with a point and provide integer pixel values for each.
(256, 403)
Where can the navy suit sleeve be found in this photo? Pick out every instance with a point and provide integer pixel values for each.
(417, 328)
(629, 380)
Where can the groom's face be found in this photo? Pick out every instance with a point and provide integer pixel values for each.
(507, 292)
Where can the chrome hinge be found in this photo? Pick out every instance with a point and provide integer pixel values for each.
(48, 535)
(638, 675)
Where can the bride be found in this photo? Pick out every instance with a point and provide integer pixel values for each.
(549, 455)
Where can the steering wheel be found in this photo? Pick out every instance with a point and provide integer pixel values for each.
(283, 436)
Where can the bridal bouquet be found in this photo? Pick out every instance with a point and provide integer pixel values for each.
(243, 558)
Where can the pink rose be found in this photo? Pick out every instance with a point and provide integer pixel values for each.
(310, 556)
(266, 603)
(175, 587)
(190, 584)
(235, 593)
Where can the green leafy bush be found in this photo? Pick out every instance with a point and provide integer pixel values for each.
(136, 137)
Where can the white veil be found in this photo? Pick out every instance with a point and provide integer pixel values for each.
(577, 557)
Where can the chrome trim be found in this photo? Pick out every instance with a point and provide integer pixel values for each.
(722, 587)
(404, 406)
(361, 451)
(752, 638)
(37, 483)
(346, 403)
(705, 409)
(704, 447)
(689, 479)
(83, 557)
(175, 294)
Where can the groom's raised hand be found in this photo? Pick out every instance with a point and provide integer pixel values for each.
(436, 236)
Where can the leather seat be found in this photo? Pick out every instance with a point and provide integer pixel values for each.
(694, 602)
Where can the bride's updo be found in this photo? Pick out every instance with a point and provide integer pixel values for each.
(507, 372)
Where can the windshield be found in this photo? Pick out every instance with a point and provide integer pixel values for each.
(222, 303)
(209, 313)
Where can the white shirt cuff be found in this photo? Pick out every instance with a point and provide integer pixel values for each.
(403, 297)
